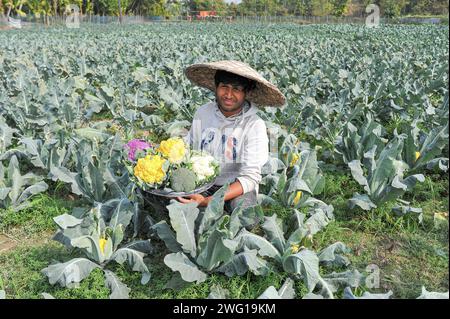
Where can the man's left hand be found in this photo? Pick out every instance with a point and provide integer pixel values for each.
(199, 198)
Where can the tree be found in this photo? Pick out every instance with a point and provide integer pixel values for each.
(321, 8)
(340, 7)
(391, 8)
(421, 7)
(299, 7)
(120, 12)
(174, 8)
(15, 6)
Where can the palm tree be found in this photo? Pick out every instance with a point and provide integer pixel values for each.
(120, 12)
(15, 5)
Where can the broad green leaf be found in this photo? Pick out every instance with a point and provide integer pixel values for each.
(143, 246)
(306, 264)
(254, 241)
(135, 259)
(332, 255)
(90, 243)
(213, 211)
(245, 217)
(32, 190)
(73, 271)
(247, 260)
(215, 250)
(357, 173)
(182, 219)
(273, 228)
(64, 175)
(122, 214)
(265, 200)
(65, 220)
(93, 134)
(316, 222)
(168, 236)
(349, 278)
(188, 270)
(363, 201)
(118, 289)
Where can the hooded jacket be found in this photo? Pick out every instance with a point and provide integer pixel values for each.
(239, 142)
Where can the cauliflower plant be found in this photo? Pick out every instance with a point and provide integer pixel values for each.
(203, 166)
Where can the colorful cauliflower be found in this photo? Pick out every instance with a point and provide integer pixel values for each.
(171, 165)
(173, 149)
(135, 145)
(150, 169)
(203, 166)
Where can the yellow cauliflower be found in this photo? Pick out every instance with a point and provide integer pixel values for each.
(150, 169)
(173, 149)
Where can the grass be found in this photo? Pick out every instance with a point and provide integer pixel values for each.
(409, 255)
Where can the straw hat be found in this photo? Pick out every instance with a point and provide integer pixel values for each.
(264, 94)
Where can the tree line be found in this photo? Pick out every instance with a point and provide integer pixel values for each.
(170, 8)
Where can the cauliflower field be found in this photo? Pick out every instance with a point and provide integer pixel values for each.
(353, 202)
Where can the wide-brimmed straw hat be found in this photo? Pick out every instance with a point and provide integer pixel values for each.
(264, 93)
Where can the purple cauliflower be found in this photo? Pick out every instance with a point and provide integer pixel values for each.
(135, 145)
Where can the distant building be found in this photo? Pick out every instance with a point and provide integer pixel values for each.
(206, 14)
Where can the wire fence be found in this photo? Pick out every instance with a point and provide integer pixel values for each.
(31, 20)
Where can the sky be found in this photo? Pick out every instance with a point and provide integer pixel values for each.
(230, 1)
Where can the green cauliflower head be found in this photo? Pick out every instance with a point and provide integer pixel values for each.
(183, 180)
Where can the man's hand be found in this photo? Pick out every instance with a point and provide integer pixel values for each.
(199, 198)
(233, 191)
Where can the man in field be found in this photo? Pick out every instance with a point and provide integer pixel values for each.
(230, 130)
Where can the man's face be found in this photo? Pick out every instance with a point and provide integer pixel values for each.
(230, 97)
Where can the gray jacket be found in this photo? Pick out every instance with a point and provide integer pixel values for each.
(239, 142)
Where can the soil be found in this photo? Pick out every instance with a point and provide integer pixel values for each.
(6, 243)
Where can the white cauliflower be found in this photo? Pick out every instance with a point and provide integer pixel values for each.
(202, 166)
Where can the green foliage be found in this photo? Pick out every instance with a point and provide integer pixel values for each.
(60, 110)
(295, 255)
(386, 176)
(98, 234)
(15, 188)
(203, 242)
(354, 142)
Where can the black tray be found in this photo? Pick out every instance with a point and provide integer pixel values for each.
(170, 193)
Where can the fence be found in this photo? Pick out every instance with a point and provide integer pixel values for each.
(31, 20)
